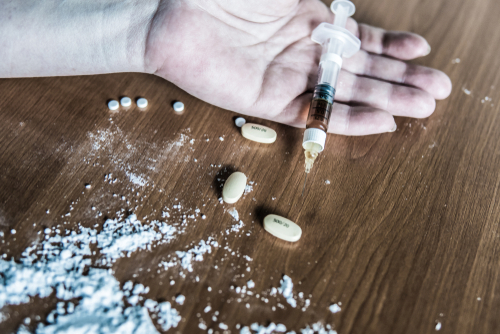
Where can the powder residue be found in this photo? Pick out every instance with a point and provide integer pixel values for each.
(60, 264)
(286, 289)
(335, 308)
(234, 213)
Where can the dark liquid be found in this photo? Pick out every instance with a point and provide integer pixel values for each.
(321, 107)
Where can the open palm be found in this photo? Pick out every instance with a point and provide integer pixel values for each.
(256, 57)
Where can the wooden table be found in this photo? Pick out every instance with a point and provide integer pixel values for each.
(405, 235)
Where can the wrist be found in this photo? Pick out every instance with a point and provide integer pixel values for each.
(132, 42)
(74, 37)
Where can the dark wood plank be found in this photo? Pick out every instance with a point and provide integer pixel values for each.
(405, 235)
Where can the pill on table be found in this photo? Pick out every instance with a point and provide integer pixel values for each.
(178, 106)
(258, 133)
(126, 101)
(282, 228)
(113, 105)
(234, 187)
(142, 102)
(240, 121)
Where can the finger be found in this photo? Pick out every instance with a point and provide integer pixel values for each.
(396, 99)
(428, 79)
(397, 44)
(344, 119)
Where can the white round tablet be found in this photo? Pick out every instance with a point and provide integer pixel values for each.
(126, 101)
(240, 121)
(178, 106)
(113, 105)
(142, 102)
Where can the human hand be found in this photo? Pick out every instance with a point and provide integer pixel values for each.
(256, 58)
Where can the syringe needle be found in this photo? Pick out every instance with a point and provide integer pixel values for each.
(304, 187)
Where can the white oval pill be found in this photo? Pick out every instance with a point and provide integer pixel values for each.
(142, 102)
(113, 105)
(178, 106)
(240, 121)
(258, 133)
(282, 228)
(126, 101)
(234, 187)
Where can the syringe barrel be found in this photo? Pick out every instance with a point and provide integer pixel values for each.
(331, 62)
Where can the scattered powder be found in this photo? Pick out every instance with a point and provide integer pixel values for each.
(61, 265)
(186, 258)
(168, 317)
(335, 308)
(180, 299)
(235, 227)
(455, 61)
(234, 213)
(280, 328)
(486, 99)
(438, 325)
(120, 237)
(221, 139)
(207, 309)
(137, 180)
(250, 284)
(248, 189)
(466, 91)
(327, 182)
(286, 289)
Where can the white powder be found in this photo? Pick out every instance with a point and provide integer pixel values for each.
(466, 91)
(221, 139)
(135, 179)
(123, 237)
(260, 329)
(196, 253)
(234, 213)
(327, 182)
(455, 61)
(438, 325)
(248, 189)
(60, 264)
(286, 289)
(334, 308)
(280, 328)
(180, 299)
(250, 284)
(235, 227)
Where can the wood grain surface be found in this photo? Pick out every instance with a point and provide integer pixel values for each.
(406, 234)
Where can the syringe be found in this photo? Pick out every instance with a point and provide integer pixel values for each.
(337, 42)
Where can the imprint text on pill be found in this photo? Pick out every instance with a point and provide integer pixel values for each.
(258, 133)
(282, 228)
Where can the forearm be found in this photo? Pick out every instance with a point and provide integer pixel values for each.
(73, 37)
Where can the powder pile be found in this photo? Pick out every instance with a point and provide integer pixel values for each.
(61, 265)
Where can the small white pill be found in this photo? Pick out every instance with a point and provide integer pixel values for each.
(234, 187)
(142, 102)
(258, 133)
(178, 106)
(282, 228)
(240, 121)
(126, 101)
(113, 105)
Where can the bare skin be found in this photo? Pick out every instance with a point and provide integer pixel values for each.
(254, 57)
